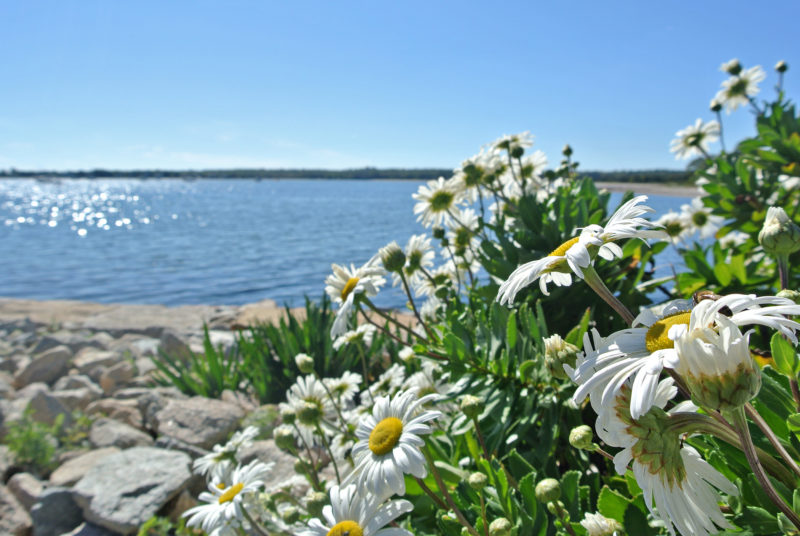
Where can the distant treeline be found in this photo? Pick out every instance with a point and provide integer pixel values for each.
(657, 175)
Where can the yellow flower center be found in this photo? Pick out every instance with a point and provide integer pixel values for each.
(232, 492)
(346, 528)
(221, 485)
(385, 435)
(349, 286)
(657, 337)
(561, 250)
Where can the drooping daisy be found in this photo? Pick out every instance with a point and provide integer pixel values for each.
(694, 140)
(225, 499)
(740, 89)
(642, 351)
(389, 443)
(700, 219)
(363, 334)
(344, 286)
(435, 202)
(579, 252)
(678, 485)
(599, 525)
(354, 513)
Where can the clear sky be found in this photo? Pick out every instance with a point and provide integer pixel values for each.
(336, 84)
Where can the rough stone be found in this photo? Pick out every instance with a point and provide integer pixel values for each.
(72, 340)
(8, 364)
(75, 399)
(137, 346)
(126, 411)
(89, 359)
(116, 375)
(282, 474)
(6, 387)
(47, 367)
(14, 520)
(77, 381)
(26, 488)
(174, 346)
(6, 462)
(119, 499)
(111, 433)
(170, 443)
(69, 472)
(45, 408)
(55, 513)
(199, 421)
(90, 529)
(101, 340)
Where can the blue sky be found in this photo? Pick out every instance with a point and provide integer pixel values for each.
(191, 85)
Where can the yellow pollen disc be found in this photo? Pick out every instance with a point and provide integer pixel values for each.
(657, 337)
(385, 435)
(221, 485)
(562, 249)
(346, 528)
(232, 492)
(348, 287)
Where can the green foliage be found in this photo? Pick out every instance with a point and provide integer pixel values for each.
(162, 526)
(33, 444)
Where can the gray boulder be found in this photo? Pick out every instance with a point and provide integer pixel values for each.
(90, 529)
(47, 367)
(198, 421)
(55, 513)
(110, 433)
(46, 408)
(90, 359)
(69, 472)
(14, 520)
(77, 381)
(26, 488)
(124, 490)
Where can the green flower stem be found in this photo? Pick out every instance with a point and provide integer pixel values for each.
(311, 462)
(429, 492)
(721, 138)
(389, 318)
(330, 452)
(692, 423)
(740, 423)
(483, 514)
(783, 270)
(596, 284)
(562, 515)
(334, 402)
(773, 439)
(446, 494)
(411, 301)
(480, 439)
(255, 526)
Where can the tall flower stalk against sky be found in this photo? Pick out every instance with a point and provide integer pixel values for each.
(695, 140)
(576, 256)
(345, 286)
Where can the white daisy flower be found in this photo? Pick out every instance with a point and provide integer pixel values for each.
(406, 354)
(678, 486)
(674, 224)
(312, 405)
(388, 382)
(216, 465)
(694, 140)
(419, 256)
(788, 182)
(343, 286)
(733, 239)
(642, 352)
(345, 387)
(526, 180)
(512, 142)
(738, 90)
(699, 218)
(225, 499)
(353, 513)
(435, 202)
(579, 252)
(462, 234)
(389, 443)
(441, 276)
(430, 309)
(364, 333)
(599, 525)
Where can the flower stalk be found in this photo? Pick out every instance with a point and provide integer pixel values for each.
(596, 284)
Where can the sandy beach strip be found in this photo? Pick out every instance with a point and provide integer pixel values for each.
(650, 188)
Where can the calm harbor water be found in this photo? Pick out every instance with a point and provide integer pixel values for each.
(200, 242)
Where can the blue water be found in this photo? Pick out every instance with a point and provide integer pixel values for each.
(200, 242)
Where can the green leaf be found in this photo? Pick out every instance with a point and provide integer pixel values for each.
(636, 522)
(736, 266)
(511, 329)
(758, 520)
(794, 422)
(612, 504)
(784, 356)
(723, 273)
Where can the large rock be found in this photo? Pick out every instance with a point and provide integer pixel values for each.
(199, 421)
(126, 411)
(47, 367)
(126, 489)
(69, 472)
(26, 488)
(90, 529)
(73, 341)
(75, 399)
(111, 433)
(45, 408)
(55, 513)
(116, 375)
(77, 381)
(14, 520)
(90, 359)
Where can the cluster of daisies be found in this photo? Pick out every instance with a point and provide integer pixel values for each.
(631, 376)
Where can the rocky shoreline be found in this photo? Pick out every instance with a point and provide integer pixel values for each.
(62, 357)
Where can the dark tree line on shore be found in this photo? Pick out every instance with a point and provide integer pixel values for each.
(367, 173)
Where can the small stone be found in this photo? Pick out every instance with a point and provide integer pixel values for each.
(121, 410)
(75, 399)
(47, 367)
(116, 375)
(46, 408)
(101, 340)
(70, 472)
(77, 381)
(91, 358)
(6, 387)
(110, 433)
(55, 513)
(174, 346)
(26, 488)
(14, 520)
(199, 421)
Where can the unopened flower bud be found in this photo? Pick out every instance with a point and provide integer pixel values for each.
(781, 66)
(309, 413)
(300, 467)
(517, 151)
(305, 363)
(554, 507)
(471, 406)
(548, 490)
(715, 105)
(732, 67)
(582, 437)
(284, 437)
(288, 416)
(406, 354)
(392, 257)
(567, 151)
(438, 232)
(315, 502)
(291, 515)
(500, 527)
(790, 294)
(477, 481)
(557, 353)
(779, 235)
